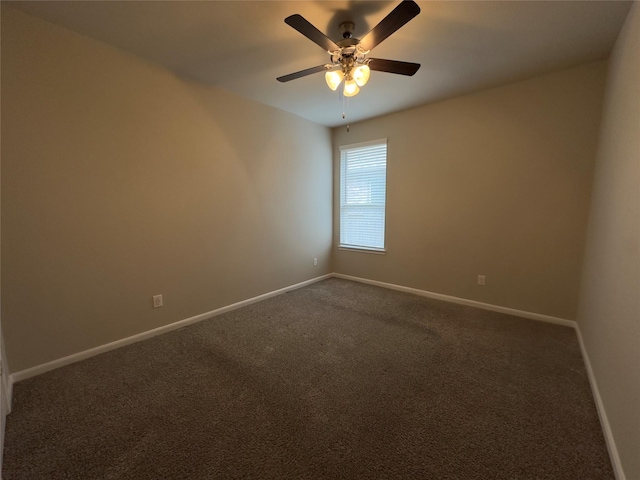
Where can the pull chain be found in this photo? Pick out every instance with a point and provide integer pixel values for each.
(345, 102)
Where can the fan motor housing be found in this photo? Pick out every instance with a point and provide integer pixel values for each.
(348, 42)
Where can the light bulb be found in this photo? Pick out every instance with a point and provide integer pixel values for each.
(334, 78)
(361, 74)
(351, 88)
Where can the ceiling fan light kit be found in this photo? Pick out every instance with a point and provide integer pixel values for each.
(334, 79)
(349, 62)
(361, 74)
(354, 78)
(351, 88)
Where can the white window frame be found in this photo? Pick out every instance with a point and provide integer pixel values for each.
(342, 245)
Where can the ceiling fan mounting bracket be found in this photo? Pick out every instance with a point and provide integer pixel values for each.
(346, 29)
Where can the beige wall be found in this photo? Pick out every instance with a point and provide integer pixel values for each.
(121, 181)
(609, 309)
(493, 183)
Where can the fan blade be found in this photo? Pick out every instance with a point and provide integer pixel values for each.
(312, 33)
(393, 66)
(302, 73)
(389, 24)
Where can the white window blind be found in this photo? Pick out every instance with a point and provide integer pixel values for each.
(363, 191)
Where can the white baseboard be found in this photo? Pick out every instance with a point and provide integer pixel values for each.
(7, 388)
(37, 370)
(604, 421)
(76, 357)
(7, 383)
(463, 301)
(3, 423)
(5, 401)
(611, 445)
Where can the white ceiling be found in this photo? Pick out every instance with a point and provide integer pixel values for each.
(243, 46)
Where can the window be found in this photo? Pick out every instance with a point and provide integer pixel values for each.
(363, 191)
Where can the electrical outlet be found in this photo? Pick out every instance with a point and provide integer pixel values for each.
(481, 279)
(315, 262)
(157, 301)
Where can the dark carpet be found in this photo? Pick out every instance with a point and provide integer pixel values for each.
(334, 380)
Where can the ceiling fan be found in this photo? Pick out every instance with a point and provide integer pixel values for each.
(349, 60)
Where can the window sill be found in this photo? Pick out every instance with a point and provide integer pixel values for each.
(375, 251)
